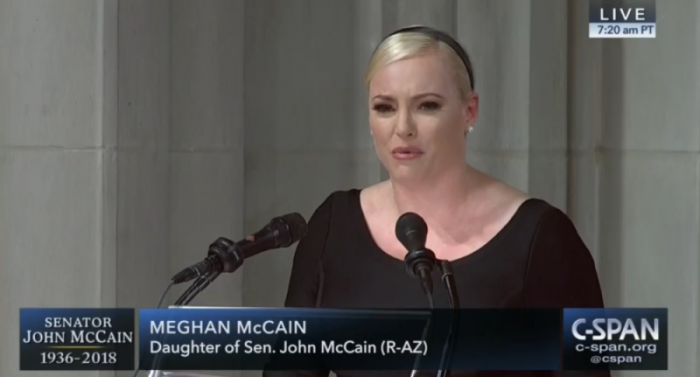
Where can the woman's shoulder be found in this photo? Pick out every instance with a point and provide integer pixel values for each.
(519, 206)
(339, 199)
(539, 218)
(546, 226)
(525, 217)
(349, 199)
(335, 205)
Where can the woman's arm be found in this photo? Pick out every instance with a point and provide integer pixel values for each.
(561, 272)
(306, 280)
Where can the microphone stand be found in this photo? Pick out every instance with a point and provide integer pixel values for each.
(412, 232)
(190, 293)
(419, 264)
(194, 289)
(203, 283)
(426, 333)
(449, 281)
(199, 281)
(225, 255)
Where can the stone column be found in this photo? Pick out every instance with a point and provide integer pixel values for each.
(585, 125)
(94, 213)
(57, 161)
(301, 136)
(143, 161)
(439, 14)
(519, 54)
(206, 137)
(636, 153)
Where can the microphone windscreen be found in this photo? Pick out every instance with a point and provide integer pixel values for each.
(296, 225)
(412, 231)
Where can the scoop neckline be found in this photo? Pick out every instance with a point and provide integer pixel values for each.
(472, 257)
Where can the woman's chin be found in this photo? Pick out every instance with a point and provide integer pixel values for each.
(407, 173)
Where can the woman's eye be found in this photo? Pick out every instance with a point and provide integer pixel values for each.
(430, 106)
(382, 108)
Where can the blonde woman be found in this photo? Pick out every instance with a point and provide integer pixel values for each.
(507, 250)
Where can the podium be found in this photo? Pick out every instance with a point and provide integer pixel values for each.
(160, 373)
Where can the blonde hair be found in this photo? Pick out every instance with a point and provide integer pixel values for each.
(413, 44)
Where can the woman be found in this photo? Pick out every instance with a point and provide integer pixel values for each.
(507, 250)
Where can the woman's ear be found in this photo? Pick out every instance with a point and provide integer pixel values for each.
(472, 107)
(471, 112)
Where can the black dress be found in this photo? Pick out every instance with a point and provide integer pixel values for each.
(537, 260)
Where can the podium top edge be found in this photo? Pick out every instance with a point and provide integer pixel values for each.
(324, 310)
(181, 374)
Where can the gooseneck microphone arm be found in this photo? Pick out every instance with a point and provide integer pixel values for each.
(205, 281)
(190, 293)
(224, 255)
(420, 264)
(196, 288)
(448, 280)
(189, 290)
(221, 248)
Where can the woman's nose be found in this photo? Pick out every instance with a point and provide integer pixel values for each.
(405, 125)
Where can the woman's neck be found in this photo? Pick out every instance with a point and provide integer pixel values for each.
(439, 200)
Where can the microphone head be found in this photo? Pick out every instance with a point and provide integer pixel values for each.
(292, 227)
(412, 231)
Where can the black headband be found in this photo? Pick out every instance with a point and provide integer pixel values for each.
(448, 40)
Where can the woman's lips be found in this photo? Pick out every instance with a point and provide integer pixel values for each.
(406, 153)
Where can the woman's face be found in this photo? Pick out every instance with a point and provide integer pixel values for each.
(418, 117)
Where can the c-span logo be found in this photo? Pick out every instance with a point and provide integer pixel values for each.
(611, 19)
(633, 339)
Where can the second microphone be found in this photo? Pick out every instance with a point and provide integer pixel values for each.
(225, 255)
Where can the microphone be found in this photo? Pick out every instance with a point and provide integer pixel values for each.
(227, 256)
(412, 232)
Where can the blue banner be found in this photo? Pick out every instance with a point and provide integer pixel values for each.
(330, 339)
(77, 339)
(336, 339)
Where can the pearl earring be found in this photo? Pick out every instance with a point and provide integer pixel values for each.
(471, 128)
